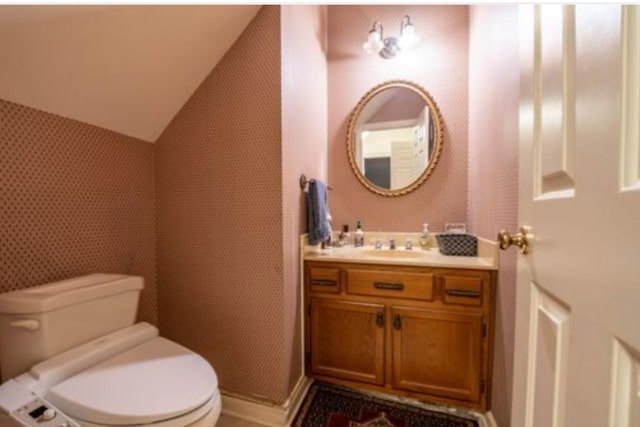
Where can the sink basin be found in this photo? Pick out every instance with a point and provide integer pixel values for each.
(397, 253)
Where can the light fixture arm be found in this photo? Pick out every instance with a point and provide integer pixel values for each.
(379, 29)
(404, 22)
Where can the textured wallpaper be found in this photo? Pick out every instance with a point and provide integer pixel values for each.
(493, 168)
(74, 199)
(220, 221)
(440, 65)
(304, 150)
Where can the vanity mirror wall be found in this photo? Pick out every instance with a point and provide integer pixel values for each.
(394, 138)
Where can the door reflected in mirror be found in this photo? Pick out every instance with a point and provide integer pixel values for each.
(394, 138)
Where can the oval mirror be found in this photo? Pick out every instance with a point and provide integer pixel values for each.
(394, 138)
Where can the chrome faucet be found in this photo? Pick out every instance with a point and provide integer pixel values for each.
(378, 244)
(392, 243)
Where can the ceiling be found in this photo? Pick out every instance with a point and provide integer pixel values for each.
(125, 68)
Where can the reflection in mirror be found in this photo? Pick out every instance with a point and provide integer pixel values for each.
(394, 138)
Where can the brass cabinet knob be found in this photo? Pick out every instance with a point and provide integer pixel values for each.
(521, 239)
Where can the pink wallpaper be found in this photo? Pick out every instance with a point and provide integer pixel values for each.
(439, 64)
(304, 150)
(74, 199)
(220, 218)
(493, 167)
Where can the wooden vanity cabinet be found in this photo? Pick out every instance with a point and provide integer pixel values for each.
(419, 332)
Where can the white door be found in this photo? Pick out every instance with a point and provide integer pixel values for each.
(577, 350)
(401, 163)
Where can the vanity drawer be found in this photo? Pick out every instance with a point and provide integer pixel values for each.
(462, 290)
(324, 279)
(399, 284)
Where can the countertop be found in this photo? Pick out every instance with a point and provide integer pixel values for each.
(487, 258)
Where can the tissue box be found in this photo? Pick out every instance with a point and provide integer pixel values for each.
(457, 244)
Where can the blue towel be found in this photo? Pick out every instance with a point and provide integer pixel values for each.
(317, 221)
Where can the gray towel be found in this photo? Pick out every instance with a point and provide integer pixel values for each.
(317, 221)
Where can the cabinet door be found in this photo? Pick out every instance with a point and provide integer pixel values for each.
(347, 340)
(437, 352)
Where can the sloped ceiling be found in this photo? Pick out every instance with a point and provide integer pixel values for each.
(125, 68)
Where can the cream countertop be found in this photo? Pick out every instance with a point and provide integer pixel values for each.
(487, 258)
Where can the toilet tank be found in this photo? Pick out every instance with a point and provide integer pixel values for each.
(40, 322)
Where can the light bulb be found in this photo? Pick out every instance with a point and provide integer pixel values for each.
(374, 42)
(408, 38)
(374, 36)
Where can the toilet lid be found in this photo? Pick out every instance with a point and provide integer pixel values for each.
(154, 381)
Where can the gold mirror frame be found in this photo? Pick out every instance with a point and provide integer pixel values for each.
(437, 119)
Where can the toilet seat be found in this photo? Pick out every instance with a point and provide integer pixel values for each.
(155, 382)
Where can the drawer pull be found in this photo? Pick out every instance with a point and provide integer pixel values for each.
(323, 282)
(389, 286)
(462, 293)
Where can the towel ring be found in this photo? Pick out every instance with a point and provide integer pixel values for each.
(304, 182)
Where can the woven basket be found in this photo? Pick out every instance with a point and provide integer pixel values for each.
(457, 244)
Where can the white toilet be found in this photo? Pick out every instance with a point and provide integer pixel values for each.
(70, 352)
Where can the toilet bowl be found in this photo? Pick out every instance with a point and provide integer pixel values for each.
(128, 377)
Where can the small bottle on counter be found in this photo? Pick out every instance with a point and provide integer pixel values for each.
(345, 237)
(358, 241)
(424, 236)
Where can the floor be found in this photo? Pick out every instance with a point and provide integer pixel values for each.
(227, 421)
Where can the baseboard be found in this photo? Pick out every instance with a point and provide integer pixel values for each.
(266, 413)
(486, 420)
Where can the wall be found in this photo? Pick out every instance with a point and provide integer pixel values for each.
(304, 150)
(493, 168)
(440, 65)
(220, 217)
(74, 199)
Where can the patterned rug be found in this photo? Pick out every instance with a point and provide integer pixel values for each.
(327, 405)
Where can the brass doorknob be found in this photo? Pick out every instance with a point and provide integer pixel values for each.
(521, 240)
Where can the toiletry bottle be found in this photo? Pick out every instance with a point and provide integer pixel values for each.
(424, 236)
(346, 236)
(359, 239)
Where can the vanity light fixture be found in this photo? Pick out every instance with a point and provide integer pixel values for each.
(391, 46)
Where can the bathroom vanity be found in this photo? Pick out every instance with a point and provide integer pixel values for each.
(409, 322)
(412, 323)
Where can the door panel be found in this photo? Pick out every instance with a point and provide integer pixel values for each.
(347, 340)
(625, 397)
(555, 55)
(630, 150)
(549, 341)
(437, 352)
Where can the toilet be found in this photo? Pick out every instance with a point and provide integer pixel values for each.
(72, 354)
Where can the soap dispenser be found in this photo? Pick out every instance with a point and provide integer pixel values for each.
(424, 236)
